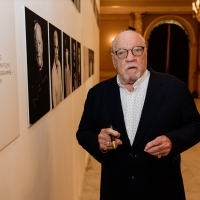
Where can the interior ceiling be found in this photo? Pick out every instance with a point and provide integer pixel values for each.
(146, 6)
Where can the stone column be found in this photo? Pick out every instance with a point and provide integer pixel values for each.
(193, 69)
(138, 23)
(131, 20)
(195, 64)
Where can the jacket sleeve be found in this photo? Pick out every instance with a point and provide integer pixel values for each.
(188, 134)
(87, 133)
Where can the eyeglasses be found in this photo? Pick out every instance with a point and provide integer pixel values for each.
(123, 53)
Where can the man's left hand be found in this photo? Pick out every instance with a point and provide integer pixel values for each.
(160, 146)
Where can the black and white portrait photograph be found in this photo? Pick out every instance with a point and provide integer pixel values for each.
(67, 65)
(74, 65)
(77, 4)
(78, 70)
(91, 62)
(88, 63)
(55, 65)
(37, 65)
(85, 68)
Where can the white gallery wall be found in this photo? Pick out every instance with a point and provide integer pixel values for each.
(43, 161)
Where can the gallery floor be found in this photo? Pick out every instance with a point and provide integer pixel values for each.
(190, 170)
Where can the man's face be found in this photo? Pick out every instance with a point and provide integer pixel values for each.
(38, 45)
(132, 67)
(56, 46)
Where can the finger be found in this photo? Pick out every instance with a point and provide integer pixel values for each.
(161, 145)
(114, 146)
(106, 146)
(104, 139)
(113, 132)
(118, 142)
(115, 143)
(152, 144)
(157, 142)
(104, 135)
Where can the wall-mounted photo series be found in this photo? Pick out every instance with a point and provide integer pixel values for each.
(77, 4)
(53, 65)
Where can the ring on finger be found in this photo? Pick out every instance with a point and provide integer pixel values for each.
(108, 144)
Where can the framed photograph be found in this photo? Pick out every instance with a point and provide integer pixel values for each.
(67, 69)
(74, 64)
(56, 71)
(78, 65)
(37, 65)
(88, 63)
(91, 62)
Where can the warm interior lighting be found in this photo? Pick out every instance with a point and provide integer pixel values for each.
(196, 10)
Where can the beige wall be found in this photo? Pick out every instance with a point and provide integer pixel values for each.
(45, 162)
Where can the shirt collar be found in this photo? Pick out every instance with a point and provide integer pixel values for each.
(138, 82)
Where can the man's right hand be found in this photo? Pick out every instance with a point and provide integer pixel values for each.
(104, 139)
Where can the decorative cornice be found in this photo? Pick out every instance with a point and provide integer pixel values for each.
(147, 9)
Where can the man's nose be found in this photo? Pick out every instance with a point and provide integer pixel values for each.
(130, 55)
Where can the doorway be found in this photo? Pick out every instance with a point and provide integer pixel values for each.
(168, 50)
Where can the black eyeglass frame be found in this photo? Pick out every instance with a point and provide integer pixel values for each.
(127, 50)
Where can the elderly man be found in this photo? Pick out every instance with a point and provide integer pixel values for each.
(56, 74)
(39, 99)
(137, 124)
(67, 71)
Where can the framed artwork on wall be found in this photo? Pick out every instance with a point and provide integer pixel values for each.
(37, 66)
(56, 71)
(88, 63)
(78, 65)
(67, 65)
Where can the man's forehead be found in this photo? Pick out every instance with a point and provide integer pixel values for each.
(128, 38)
(127, 35)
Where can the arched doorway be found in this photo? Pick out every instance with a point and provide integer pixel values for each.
(192, 78)
(168, 49)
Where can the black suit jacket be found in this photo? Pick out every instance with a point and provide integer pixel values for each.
(129, 173)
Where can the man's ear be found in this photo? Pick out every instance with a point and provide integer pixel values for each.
(113, 61)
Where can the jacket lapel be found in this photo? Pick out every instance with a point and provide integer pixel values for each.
(114, 108)
(152, 102)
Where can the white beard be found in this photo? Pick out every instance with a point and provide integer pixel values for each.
(131, 77)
